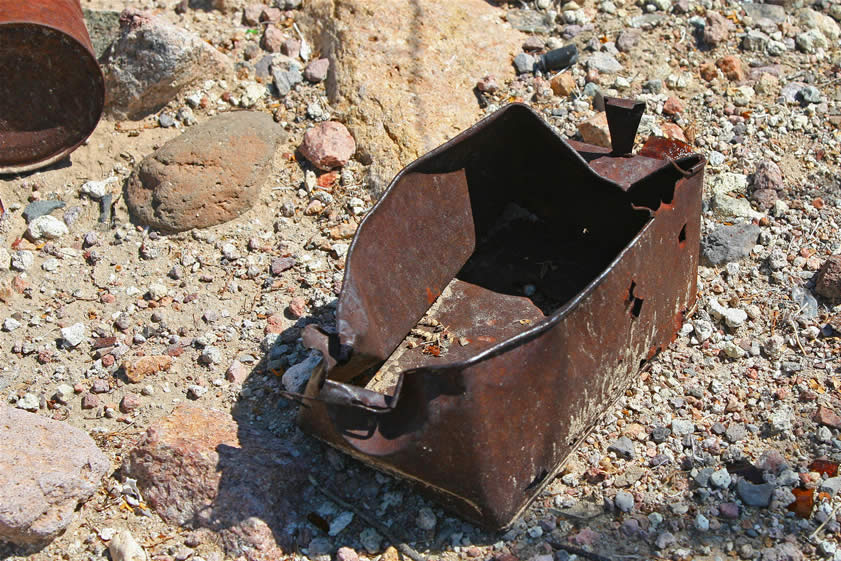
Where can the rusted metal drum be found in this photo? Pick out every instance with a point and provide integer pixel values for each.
(51, 88)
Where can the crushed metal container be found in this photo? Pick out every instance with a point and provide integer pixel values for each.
(498, 299)
(52, 88)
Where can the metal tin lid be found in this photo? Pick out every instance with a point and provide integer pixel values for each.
(52, 93)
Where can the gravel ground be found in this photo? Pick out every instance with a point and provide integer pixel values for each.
(699, 460)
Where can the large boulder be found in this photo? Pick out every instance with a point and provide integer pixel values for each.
(209, 175)
(402, 77)
(48, 468)
(152, 61)
(200, 467)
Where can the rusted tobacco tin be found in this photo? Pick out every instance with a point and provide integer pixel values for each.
(498, 299)
(51, 86)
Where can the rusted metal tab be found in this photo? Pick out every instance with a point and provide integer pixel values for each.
(623, 118)
(52, 88)
(498, 298)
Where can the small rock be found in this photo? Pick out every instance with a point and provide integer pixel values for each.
(623, 448)
(729, 510)
(731, 67)
(735, 432)
(74, 334)
(63, 393)
(211, 355)
(828, 417)
(727, 244)
(524, 63)
(628, 39)
(47, 227)
(487, 84)
(682, 427)
(624, 501)
(717, 29)
(123, 547)
(29, 402)
(755, 495)
(296, 376)
(49, 467)
(563, 84)
(236, 373)
(830, 485)
(129, 403)
(346, 554)
(36, 209)
(100, 386)
(664, 540)
(426, 519)
(604, 63)
(145, 366)
(595, 130)
(828, 280)
(328, 145)
(720, 479)
(316, 70)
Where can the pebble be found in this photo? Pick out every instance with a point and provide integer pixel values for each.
(524, 63)
(63, 393)
(753, 494)
(664, 540)
(720, 479)
(211, 355)
(682, 427)
(346, 554)
(296, 376)
(74, 334)
(328, 145)
(623, 447)
(624, 501)
(47, 227)
(196, 391)
(729, 243)
(426, 519)
(10, 324)
(604, 63)
(123, 547)
(827, 282)
(29, 402)
(338, 524)
(36, 209)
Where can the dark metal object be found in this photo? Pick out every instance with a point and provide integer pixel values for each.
(52, 88)
(551, 271)
(557, 59)
(623, 118)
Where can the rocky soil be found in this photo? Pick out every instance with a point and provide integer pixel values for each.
(154, 287)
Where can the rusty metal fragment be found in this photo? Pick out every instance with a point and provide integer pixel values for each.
(52, 88)
(497, 300)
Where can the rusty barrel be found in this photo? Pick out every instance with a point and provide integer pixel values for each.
(51, 88)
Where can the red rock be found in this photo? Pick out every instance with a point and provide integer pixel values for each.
(90, 401)
(108, 360)
(107, 298)
(297, 307)
(328, 145)
(270, 15)
(48, 468)
(201, 467)
(208, 175)
(314, 208)
(281, 264)
(145, 366)
(828, 417)
(828, 281)
(129, 403)
(585, 537)
(731, 67)
(672, 106)
(316, 71)
(236, 373)
(346, 554)
(276, 323)
(765, 198)
(291, 48)
(671, 130)
(487, 84)
(768, 175)
(729, 510)
(272, 39)
(708, 71)
(717, 29)
(251, 14)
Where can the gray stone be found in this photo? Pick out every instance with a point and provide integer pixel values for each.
(627, 40)
(728, 244)
(74, 334)
(286, 79)
(720, 479)
(806, 303)
(103, 28)
(664, 540)
(623, 447)
(524, 63)
(604, 63)
(682, 427)
(702, 478)
(735, 432)
(831, 485)
(810, 94)
(36, 209)
(529, 21)
(153, 61)
(755, 495)
(46, 227)
(624, 501)
(426, 519)
(810, 41)
(773, 12)
(755, 41)
(49, 467)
